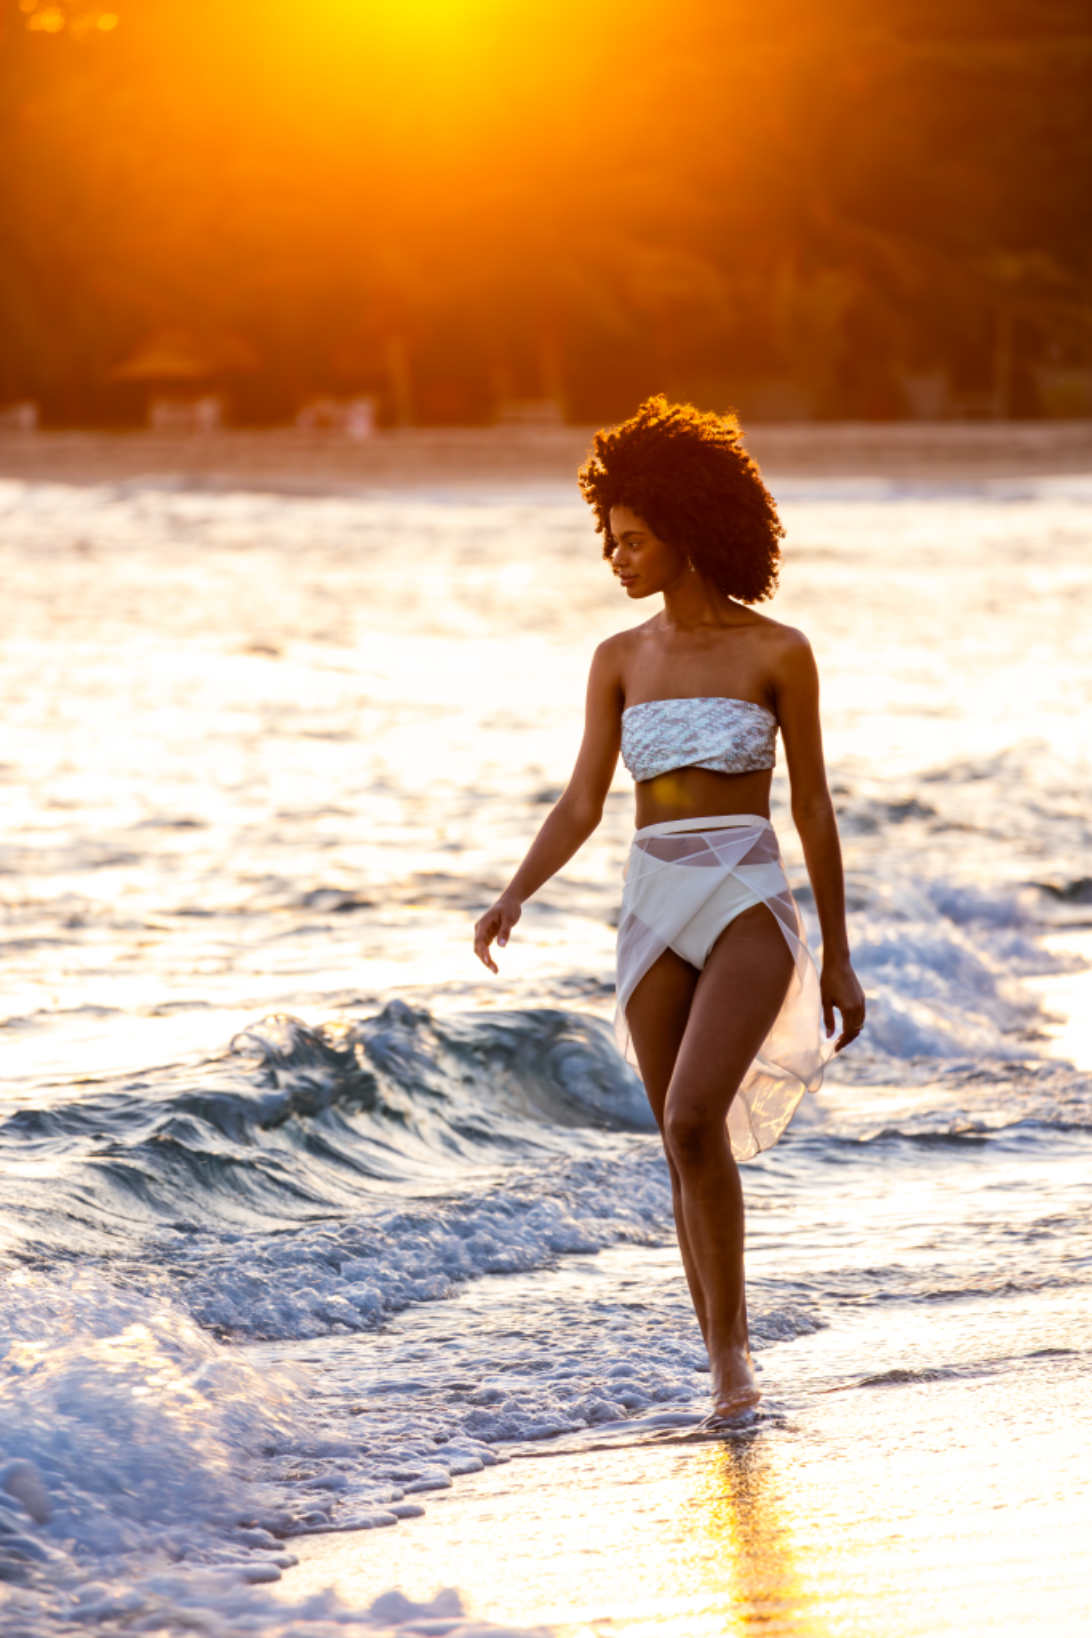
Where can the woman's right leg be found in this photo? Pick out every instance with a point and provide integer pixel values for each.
(695, 1036)
(736, 1002)
(657, 1017)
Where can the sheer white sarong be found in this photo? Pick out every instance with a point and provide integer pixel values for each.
(686, 881)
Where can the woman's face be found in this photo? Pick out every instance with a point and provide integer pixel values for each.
(642, 561)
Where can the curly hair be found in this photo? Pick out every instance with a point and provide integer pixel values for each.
(688, 476)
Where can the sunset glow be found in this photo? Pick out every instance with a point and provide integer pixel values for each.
(702, 198)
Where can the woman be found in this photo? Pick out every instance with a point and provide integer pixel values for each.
(719, 1003)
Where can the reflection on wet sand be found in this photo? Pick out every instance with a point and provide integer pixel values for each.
(937, 1494)
(697, 1545)
(743, 1527)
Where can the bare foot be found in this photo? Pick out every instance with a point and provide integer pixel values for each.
(734, 1385)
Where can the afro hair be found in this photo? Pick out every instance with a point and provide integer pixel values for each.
(688, 476)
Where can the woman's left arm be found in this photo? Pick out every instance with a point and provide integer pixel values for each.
(796, 691)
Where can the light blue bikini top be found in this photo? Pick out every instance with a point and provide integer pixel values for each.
(728, 736)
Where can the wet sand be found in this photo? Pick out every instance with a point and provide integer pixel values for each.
(926, 1501)
(287, 460)
(889, 1510)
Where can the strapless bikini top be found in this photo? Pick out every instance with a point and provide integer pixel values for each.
(728, 736)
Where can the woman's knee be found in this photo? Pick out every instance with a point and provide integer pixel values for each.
(691, 1137)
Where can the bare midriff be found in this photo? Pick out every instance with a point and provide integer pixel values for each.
(699, 793)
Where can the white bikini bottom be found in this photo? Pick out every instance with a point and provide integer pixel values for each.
(686, 881)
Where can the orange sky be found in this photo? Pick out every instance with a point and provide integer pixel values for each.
(695, 177)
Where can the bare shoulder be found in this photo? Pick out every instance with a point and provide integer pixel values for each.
(609, 664)
(792, 678)
(788, 661)
(790, 644)
(781, 642)
(614, 653)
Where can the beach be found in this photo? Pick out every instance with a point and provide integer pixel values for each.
(849, 1526)
(290, 460)
(333, 1266)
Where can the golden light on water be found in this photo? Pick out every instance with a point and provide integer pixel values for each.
(886, 1512)
(746, 1520)
(1067, 998)
(265, 710)
(702, 1545)
(950, 1501)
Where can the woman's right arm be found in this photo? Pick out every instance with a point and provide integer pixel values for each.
(578, 811)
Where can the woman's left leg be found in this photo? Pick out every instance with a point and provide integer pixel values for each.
(737, 999)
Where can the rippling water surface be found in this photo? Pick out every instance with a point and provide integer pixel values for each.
(270, 1135)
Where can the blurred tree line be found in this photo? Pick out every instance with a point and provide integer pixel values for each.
(856, 209)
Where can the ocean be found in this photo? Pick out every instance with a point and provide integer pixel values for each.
(312, 1230)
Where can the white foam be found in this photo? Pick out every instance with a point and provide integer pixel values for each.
(354, 1275)
(150, 1470)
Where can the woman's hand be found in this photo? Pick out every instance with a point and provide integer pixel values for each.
(839, 988)
(497, 923)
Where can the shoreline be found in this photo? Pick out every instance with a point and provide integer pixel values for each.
(800, 1518)
(786, 1519)
(288, 460)
(268, 754)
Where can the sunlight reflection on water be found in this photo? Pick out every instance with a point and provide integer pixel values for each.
(897, 1511)
(272, 755)
(222, 705)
